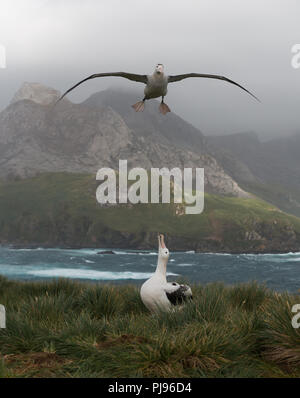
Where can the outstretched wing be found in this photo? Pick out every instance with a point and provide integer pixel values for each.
(130, 76)
(177, 78)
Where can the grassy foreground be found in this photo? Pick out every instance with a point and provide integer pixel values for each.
(71, 329)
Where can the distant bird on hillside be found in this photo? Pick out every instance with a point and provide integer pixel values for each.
(158, 294)
(156, 85)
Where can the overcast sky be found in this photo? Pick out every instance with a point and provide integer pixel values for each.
(58, 42)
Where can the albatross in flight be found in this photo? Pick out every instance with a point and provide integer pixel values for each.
(156, 85)
(158, 294)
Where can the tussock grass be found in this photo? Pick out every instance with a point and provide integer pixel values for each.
(281, 341)
(63, 328)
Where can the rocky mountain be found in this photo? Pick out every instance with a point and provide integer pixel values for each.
(49, 156)
(269, 169)
(36, 92)
(150, 123)
(36, 136)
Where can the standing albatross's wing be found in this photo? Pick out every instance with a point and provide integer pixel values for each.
(177, 78)
(130, 76)
(178, 296)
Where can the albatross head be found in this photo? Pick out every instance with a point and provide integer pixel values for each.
(159, 69)
(163, 252)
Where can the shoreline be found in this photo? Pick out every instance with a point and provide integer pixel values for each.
(35, 246)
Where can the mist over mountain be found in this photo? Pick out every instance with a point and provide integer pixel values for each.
(269, 169)
(61, 42)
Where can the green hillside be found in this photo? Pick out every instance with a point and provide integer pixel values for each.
(61, 209)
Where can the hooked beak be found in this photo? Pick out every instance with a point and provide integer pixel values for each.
(159, 69)
(161, 241)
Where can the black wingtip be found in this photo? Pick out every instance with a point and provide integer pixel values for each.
(257, 99)
(59, 99)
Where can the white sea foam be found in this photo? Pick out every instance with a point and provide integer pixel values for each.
(184, 265)
(80, 252)
(90, 274)
(23, 250)
(9, 269)
(143, 253)
(294, 259)
(217, 254)
(290, 254)
(133, 253)
(33, 249)
(274, 258)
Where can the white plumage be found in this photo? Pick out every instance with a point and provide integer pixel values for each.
(158, 294)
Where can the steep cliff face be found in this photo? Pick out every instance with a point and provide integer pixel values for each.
(36, 136)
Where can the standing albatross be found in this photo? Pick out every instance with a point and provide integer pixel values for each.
(156, 293)
(156, 85)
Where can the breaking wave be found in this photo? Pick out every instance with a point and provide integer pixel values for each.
(90, 274)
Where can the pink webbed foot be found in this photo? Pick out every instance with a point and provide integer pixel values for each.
(163, 108)
(139, 106)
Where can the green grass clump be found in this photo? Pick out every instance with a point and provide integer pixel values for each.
(281, 342)
(63, 328)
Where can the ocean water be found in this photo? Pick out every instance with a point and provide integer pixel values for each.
(280, 272)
